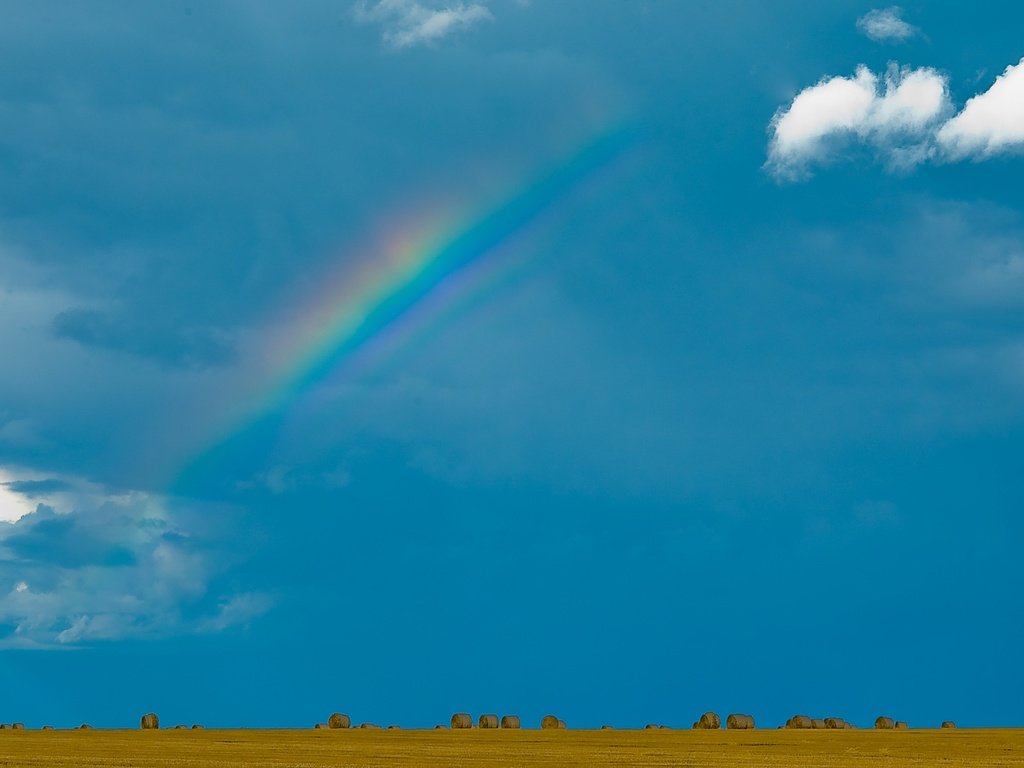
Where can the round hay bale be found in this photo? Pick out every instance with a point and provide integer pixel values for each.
(651, 727)
(85, 727)
(440, 728)
(47, 728)
(371, 727)
(549, 722)
(461, 721)
(836, 723)
(607, 728)
(320, 727)
(948, 724)
(4, 727)
(709, 721)
(394, 727)
(181, 727)
(338, 720)
(150, 722)
(197, 727)
(488, 721)
(902, 725)
(883, 723)
(739, 722)
(511, 722)
(562, 726)
(799, 721)
(18, 726)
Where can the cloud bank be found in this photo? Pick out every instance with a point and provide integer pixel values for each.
(409, 22)
(113, 566)
(886, 25)
(904, 117)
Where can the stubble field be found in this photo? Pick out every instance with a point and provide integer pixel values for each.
(511, 749)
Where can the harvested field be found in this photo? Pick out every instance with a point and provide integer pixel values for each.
(493, 748)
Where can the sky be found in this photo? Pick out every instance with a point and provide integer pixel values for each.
(616, 360)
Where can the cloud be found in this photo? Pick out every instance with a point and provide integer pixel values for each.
(409, 22)
(116, 565)
(886, 25)
(173, 346)
(906, 124)
(991, 123)
(824, 117)
(237, 611)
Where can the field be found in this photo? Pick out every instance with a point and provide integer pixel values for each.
(511, 749)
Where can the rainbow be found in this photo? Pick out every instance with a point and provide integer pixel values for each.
(353, 309)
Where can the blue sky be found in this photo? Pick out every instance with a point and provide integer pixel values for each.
(737, 425)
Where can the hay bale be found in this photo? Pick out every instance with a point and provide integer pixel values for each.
(440, 728)
(320, 727)
(488, 721)
(709, 721)
(18, 727)
(948, 724)
(549, 722)
(4, 727)
(370, 727)
(394, 727)
(836, 723)
(84, 727)
(799, 722)
(883, 723)
(562, 726)
(817, 724)
(901, 725)
(739, 722)
(150, 722)
(461, 721)
(652, 727)
(181, 727)
(511, 722)
(607, 728)
(338, 720)
(47, 728)
(197, 727)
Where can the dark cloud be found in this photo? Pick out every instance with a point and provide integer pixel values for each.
(172, 346)
(72, 540)
(36, 488)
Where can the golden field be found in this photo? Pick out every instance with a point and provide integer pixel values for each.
(511, 749)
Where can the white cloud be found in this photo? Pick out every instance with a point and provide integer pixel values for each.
(905, 123)
(410, 22)
(886, 25)
(839, 109)
(13, 505)
(991, 123)
(112, 566)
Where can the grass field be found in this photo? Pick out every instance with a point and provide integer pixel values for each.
(511, 749)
